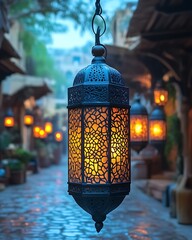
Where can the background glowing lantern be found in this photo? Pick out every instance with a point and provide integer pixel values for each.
(99, 141)
(9, 120)
(58, 136)
(36, 130)
(42, 133)
(157, 127)
(160, 95)
(139, 126)
(28, 118)
(48, 127)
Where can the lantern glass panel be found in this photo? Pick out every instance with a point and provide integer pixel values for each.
(9, 121)
(157, 130)
(139, 128)
(160, 97)
(75, 145)
(96, 145)
(119, 145)
(28, 120)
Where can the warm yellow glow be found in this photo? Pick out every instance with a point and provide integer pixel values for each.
(119, 145)
(48, 127)
(58, 136)
(75, 148)
(96, 145)
(28, 120)
(9, 122)
(157, 130)
(36, 131)
(139, 128)
(42, 134)
(160, 97)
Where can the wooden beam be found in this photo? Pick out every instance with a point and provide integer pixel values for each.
(169, 35)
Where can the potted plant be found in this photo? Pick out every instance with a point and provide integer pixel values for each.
(24, 157)
(16, 171)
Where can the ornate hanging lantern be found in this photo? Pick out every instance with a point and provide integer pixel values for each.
(58, 136)
(99, 141)
(28, 118)
(139, 126)
(48, 127)
(9, 120)
(160, 95)
(157, 127)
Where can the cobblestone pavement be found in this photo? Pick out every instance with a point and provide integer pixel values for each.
(42, 209)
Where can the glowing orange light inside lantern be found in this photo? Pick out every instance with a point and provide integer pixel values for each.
(58, 136)
(160, 97)
(157, 130)
(139, 128)
(36, 131)
(48, 127)
(28, 120)
(42, 134)
(9, 122)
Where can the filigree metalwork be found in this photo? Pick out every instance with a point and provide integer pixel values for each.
(96, 145)
(116, 77)
(119, 95)
(119, 145)
(96, 74)
(75, 95)
(75, 145)
(95, 93)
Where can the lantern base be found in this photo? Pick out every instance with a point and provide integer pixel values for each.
(98, 207)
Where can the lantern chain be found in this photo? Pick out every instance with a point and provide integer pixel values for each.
(98, 12)
(98, 33)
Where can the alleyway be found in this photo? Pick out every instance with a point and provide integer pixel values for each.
(42, 209)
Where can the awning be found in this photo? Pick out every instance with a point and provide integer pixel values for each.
(18, 88)
(163, 33)
(7, 50)
(7, 67)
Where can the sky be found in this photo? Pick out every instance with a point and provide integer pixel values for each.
(74, 37)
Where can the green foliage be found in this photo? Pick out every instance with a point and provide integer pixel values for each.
(39, 16)
(171, 90)
(15, 165)
(23, 156)
(174, 136)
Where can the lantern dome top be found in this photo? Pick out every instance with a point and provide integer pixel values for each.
(137, 108)
(158, 114)
(98, 72)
